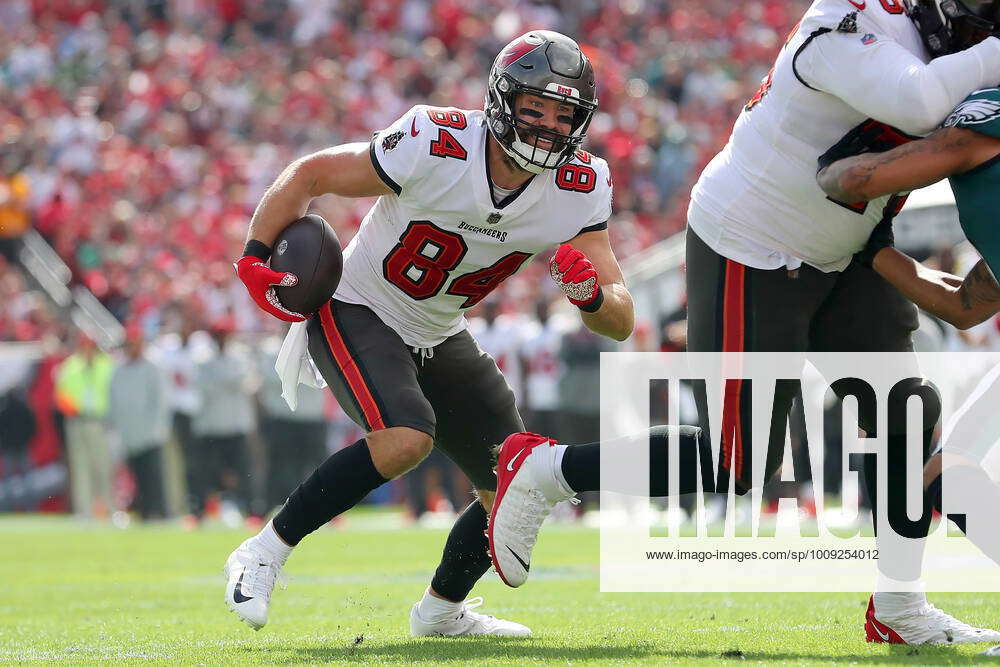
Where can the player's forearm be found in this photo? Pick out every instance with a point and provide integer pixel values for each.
(847, 180)
(285, 201)
(927, 288)
(902, 169)
(616, 316)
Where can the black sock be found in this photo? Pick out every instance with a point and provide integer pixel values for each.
(581, 464)
(466, 555)
(581, 467)
(340, 483)
(934, 497)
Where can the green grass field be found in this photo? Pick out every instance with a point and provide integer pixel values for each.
(79, 595)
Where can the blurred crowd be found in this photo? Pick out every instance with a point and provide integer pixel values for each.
(198, 415)
(138, 136)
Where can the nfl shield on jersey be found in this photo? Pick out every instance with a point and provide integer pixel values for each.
(441, 243)
(758, 202)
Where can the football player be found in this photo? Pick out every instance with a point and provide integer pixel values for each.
(769, 256)
(466, 198)
(769, 251)
(964, 151)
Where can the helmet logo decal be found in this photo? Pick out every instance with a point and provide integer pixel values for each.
(514, 53)
(562, 90)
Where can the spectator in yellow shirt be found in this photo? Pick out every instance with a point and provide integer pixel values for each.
(83, 383)
(14, 219)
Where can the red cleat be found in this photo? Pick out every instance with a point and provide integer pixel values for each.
(527, 490)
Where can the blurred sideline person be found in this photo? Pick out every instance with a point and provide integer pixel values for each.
(224, 420)
(466, 198)
(175, 354)
(540, 356)
(295, 440)
(17, 428)
(82, 385)
(580, 373)
(139, 413)
(500, 335)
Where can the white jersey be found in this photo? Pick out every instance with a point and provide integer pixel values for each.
(757, 202)
(440, 243)
(541, 354)
(502, 340)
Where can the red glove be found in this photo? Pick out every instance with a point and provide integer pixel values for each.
(577, 278)
(259, 280)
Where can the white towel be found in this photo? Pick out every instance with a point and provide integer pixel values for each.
(290, 367)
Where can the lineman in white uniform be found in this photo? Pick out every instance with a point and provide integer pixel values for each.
(769, 257)
(467, 199)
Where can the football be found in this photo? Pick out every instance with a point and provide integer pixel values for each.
(309, 248)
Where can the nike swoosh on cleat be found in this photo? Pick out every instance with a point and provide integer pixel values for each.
(413, 128)
(883, 635)
(526, 566)
(510, 464)
(238, 596)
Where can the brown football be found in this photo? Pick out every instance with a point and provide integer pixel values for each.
(309, 248)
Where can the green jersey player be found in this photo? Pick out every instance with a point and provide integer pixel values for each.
(966, 150)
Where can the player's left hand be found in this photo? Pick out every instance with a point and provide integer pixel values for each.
(260, 281)
(881, 237)
(577, 278)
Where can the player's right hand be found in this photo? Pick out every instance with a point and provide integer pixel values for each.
(260, 280)
(881, 237)
(871, 136)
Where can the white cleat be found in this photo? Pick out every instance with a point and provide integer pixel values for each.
(250, 578)
(924, 625)
(527, 490)
(465, 622)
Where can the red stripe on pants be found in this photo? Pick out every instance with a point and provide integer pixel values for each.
(733, 340)
(345, 362)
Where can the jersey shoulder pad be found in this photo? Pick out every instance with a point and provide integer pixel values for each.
(450, 118)
(447, 133)
(980, 111)
(413, 147)
(585, 173)
(586, 181)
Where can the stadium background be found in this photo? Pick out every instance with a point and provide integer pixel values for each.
(137, 138)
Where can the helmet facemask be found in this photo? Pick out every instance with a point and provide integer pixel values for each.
(948, 26)
(521, 135)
